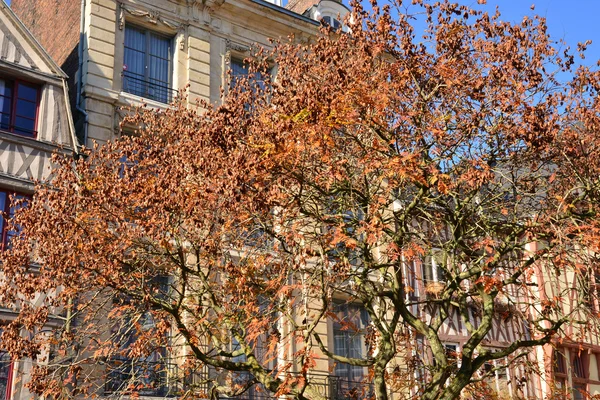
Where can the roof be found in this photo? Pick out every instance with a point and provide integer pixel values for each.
(285, 10)
(300, 6)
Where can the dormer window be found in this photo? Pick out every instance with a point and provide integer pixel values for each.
(330, 21)
(19, 107)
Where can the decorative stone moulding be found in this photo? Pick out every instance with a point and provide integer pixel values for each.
(151, 16)
(232, 46)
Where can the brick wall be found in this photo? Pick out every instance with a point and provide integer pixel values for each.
(55, 24)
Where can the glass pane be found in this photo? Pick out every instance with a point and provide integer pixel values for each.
(6, 88)
(10, 234)
(27, 92)
(3, 199)
(26, 109)
(4, 121)
(24, 126)
(428, 268)
(5, 103)
(159, 70)
(159, 46)
(238, 67)
(135, 51)
(4, 373)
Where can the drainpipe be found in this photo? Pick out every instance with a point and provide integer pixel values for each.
(78, 89)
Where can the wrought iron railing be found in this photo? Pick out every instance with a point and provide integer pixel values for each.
(147, 88)
(324, 387)
(164, 379)
(145, 378)
(345, 389)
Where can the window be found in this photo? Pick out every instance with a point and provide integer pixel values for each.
(412, 279)
(580, 392)
(451, 353)
(432, 266)
(19, 107)
(9, 211)
(239, 69)
(5, 375)
(349, 330)
(588, 289)
(147, 371)
(578, 367)
(559, 363)
(147, 64)
(330, 21)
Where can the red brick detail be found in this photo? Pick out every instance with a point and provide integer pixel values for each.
(54, 23)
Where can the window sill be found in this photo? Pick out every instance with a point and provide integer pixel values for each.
(30, 141)
(133, 100)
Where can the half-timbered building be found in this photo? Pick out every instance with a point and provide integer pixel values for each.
(35, 122)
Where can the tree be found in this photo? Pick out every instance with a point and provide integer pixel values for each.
(219, 244)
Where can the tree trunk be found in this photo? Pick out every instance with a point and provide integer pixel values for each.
(456, 385)
(380, 387)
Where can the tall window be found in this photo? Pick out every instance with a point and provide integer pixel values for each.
(9, 211)
(349, 328)
(239, 69)
(145, 373)
(433, 270)
(578, 367)
(18, 107)
(5, 375)
(147, 64)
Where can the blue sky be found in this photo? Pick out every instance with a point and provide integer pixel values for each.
(571, 20)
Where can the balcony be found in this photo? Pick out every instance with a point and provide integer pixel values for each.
(151, 89)
(146, 378)
(163, 379)
(322, 387)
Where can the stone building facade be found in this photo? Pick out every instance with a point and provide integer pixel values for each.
(35, 122)
(123, 53)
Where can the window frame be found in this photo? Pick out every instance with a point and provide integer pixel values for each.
(579, 365)
(238, 58)
(9, 375)
(169, 88)
(6, 214)
(354, 383)
(429, 263)
(17, 82)
(331, 21)
(348, 334)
